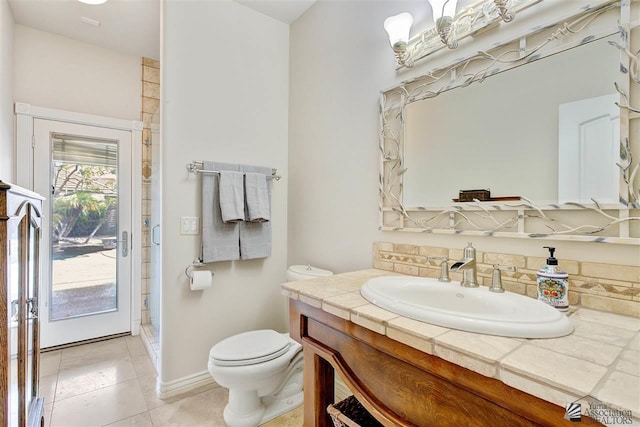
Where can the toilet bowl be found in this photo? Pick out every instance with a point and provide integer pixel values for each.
(263, 372)
(262, 369)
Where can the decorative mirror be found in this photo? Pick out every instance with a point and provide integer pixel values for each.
(549, 157)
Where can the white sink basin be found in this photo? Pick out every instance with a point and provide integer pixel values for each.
(467, 309)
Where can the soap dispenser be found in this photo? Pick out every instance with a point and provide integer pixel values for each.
(553, 283)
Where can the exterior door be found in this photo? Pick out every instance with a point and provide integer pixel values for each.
(86, 174)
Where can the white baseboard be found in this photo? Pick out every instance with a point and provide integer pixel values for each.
(183, 385)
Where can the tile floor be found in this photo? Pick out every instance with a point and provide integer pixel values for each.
(112, 383)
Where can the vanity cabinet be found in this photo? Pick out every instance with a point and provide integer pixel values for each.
(400, 385)
(20, 228)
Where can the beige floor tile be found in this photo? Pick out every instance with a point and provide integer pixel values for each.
(48, 387)
(86, 378)
(93, 353)
(136, 346)
(142, 420)
(143, 366)
(50, 362)
(100, 407)
(293, 418)
(48, 408)
(634, 344)
(202, 410)
(148, 387)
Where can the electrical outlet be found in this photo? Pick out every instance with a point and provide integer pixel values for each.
(189, 225)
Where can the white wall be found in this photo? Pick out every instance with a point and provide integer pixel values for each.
(57, 72)
(6, 93)
(340, 61)
(224, 98)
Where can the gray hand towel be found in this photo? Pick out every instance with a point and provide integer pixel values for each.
(232, 196)
(220, 240)
(255, 237)
(257, 197)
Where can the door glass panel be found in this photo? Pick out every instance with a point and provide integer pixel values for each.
(14, 289)
(84, 226)
(31, 316)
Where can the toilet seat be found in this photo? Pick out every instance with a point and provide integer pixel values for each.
(250, 348)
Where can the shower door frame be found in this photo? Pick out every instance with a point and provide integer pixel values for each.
(26, 115)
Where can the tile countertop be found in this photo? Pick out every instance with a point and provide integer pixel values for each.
(598, 362)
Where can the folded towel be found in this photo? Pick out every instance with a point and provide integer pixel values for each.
(257, 197)
(255, 237)
(220, 240)
(232, 196)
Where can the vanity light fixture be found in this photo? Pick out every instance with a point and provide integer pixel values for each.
(448, 24)
(443, 13)
(93, 2)
(398, 27)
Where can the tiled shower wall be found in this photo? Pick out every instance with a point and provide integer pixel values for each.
(149, 116)
(607, 287)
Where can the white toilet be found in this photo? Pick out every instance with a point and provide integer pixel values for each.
(262, 369)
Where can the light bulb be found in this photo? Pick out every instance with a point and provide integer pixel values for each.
(398, 27)
(442, 8)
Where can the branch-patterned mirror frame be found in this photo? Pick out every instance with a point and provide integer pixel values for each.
(593, 222)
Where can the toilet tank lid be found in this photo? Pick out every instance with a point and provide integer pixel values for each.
(309, 270)
(249, 345)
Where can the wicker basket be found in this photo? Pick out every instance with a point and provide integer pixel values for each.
(350, 413)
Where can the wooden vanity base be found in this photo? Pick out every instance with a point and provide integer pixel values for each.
(403, 386)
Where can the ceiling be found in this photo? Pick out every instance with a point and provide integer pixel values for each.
(129, 26)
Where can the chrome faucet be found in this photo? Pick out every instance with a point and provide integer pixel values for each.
(468, 267)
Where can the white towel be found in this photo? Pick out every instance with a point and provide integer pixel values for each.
(255, 237)
(232, 196)
(220, 240)
(257, 197)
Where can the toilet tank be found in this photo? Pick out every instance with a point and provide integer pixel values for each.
(304, 272)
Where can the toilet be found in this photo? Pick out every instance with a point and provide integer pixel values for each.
(304, 272)
(262, 369)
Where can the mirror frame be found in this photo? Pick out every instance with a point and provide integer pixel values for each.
(592, 222)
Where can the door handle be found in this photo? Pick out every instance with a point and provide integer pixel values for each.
(32, 307)
(124, 243)
(154, 234)
(14, 310)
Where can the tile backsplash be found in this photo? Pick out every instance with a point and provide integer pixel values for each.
(607, 287)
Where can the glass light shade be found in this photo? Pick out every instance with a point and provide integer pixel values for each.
(398, 27)
(442, 8)
(94, 2)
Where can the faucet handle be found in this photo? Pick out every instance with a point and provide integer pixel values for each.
(496, 277)
(444, 267)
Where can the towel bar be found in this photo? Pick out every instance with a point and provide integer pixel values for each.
(195, 167)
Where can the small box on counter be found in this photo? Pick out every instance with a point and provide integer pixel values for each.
(471, 195)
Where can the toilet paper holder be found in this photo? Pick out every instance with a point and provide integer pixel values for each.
(194, 264)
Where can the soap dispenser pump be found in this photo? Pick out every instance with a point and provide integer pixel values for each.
(553, 283)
